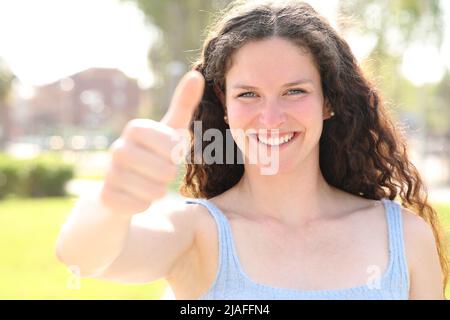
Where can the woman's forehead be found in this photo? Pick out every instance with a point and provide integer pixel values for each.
(274, 59)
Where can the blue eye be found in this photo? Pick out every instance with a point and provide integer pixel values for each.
(247, 95)
(296, 91)
(289, 92)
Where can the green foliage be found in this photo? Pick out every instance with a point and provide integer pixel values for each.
(182, 28)
(42, 176)
(30, 269)
(9, 176)
(6, 79)
(412, 21)
(395, 26)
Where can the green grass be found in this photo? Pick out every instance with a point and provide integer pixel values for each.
(444, 217)
(29, 268)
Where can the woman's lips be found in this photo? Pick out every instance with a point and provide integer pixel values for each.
(281, 140)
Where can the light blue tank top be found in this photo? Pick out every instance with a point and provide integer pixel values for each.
(232, 283)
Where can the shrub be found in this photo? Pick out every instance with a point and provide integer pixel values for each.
(9, 176)
(42, 176)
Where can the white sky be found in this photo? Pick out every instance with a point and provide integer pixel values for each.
(46, 40)
(421, 64)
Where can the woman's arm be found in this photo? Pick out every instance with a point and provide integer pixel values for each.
(134, 249)
(426, 278)
(92, 236)
(156, 243)
(102, 238)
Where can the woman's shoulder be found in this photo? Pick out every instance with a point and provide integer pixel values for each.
(181, 213)
(418, 236)
(420, 248)
(422, 256)
(413, 224)
(197, 214)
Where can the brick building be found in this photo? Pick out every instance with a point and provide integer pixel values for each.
(94, 100)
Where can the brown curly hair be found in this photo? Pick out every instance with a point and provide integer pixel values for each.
(361, 150)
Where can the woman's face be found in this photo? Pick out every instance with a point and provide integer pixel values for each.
(273, 86)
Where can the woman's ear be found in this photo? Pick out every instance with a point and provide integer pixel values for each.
(327, 110)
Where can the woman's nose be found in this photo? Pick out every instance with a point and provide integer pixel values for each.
(272, 116)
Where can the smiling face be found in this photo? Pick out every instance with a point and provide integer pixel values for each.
(273, 86)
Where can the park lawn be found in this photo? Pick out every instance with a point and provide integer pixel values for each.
(444, 217)
(29, 268)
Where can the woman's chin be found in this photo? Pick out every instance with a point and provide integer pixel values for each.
(274, 167)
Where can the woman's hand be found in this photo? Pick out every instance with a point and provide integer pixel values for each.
(142, 160)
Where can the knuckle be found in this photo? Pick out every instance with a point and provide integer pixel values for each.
(159, 192)
(144, 202)
(106, 195)
(140, 207)
(120, 153)
(150, 189)
(131, 128)
(117, 144)
(136, 126)
(172, 172)
(133, 123)
(112, 176)
(166, 171)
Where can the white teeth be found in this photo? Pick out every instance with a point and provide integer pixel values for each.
(275, 141)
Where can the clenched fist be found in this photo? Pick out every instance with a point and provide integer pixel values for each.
(142, 164)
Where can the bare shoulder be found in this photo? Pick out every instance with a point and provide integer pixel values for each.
(422, 256)
(183, 214)
(194, 270)
(195, 214)
(418, 234)
(414, 224)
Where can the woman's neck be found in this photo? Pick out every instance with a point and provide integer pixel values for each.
(293, 197)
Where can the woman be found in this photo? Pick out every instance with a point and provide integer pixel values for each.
(323, 225)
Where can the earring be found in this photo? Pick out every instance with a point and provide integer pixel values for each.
(225, 118)
(332, 113)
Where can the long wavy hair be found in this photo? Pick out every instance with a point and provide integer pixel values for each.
(361, 150)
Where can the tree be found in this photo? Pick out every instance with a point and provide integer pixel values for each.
(6, 79)
(182, 29)
(395, 25)
(443, 94)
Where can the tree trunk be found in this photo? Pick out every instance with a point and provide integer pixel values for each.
(5, 124)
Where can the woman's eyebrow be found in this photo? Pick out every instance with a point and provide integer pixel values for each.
(289, 84)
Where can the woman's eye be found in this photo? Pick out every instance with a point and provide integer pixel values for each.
(247, 95)
(289, 92)
(296, 91)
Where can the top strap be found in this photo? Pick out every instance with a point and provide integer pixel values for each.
(227, 259)
(396, 242)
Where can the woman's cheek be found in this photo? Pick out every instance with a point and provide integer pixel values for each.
(307, 110)
(240, 116)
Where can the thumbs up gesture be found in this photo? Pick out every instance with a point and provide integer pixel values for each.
(142, 164)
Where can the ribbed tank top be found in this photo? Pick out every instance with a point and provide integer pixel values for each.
(232, 283)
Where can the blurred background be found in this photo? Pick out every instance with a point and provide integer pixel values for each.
(73, 72)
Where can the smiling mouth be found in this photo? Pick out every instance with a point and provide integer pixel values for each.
(276, 140)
